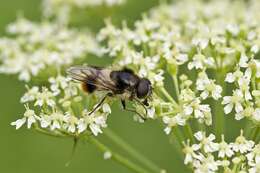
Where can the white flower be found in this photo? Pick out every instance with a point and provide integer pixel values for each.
(202, 112)
(57, 120)
(257, 64)
(106, 108)
(242, 145)
(230, 101)
(247, 112)
(253, 155)
(30, 95)
(244, 84)
(29, 116)
(256, 167)
(190, 154)
(168, 53)
(256, 115)
(151, 112)
(243, 62)
(172, 122)
(199, 61)
(232, 77)
(181, 58)
(205, 142)
(206, 165)
(93, 122)
(45, 120)
(45, 97)
(19, 123)
(225, 150)
(200, 42)
(70, 123)
(233, 29)
(61, 9)
(208, 87)
(36, 47)
(57, 83)
(254, 48)
(156, 78)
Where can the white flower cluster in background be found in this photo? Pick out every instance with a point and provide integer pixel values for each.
(35, 47)
(61, 109)
(83, 3)
(244, 101)
(62, 8)
(208, 156)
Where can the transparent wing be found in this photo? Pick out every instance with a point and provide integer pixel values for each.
(100, 77)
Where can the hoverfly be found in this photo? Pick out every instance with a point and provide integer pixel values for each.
(124, 84)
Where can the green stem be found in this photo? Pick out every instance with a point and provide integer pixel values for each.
(73, 151)
(219, 120)
(145, 49)
(52, 134)
(177, 139)
(255, 133)
(253, 83)
(178, 135)
(218, 109)
(189, 132)
(168, 96)
(176, 84)
(131, 151)
(248, 129)
(116, 157)
(176, 146)
(201, 126)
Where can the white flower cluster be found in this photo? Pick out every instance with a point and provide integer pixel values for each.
(208, 156)
(35, 47)
(132, 48)
(189, 107)
(83, 3)
(61, 109)
(207, 51)
(246, 95)
(200, 40)
(211, 38)
(62, 8)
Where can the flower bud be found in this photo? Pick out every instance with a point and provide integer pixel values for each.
(172, 67)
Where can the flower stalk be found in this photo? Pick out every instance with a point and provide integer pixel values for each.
(255, 134)
(131, 151)
(218, 109)
(168, 96)
(116, 157)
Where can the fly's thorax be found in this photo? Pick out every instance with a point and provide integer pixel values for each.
(124, 79)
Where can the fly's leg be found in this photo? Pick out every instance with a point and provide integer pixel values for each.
(141, 103)
(100, 103)
(132, 110)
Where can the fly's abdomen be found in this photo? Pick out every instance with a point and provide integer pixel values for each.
(87, 87)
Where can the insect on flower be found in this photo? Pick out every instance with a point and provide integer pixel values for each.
(124, 84)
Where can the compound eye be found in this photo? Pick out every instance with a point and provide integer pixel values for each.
(143, 88)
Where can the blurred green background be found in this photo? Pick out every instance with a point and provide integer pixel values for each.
(25, 151)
